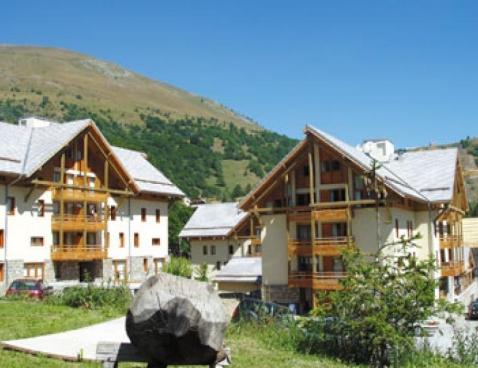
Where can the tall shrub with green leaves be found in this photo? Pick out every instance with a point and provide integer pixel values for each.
(179, 266)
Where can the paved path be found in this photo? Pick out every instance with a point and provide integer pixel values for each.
(72, 344)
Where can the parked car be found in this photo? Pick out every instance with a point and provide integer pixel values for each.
(256, 309)
(473, 310)
(28, 287)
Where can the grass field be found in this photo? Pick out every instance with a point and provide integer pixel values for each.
(251, 346)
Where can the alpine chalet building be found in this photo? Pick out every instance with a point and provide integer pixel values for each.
(73, 207)
(315, 202)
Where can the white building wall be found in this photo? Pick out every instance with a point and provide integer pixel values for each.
(26, 223)
(274, 250)
(128, 221)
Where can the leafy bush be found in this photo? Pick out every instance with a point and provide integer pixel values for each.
(202, 272)
(465, 347)
(179, 266)
(94, 297)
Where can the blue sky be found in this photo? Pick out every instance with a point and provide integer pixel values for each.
(407, 70)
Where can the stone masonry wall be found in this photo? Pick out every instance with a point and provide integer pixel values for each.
(137, 268)
(280, 294)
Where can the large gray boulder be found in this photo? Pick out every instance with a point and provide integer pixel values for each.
(174, 321)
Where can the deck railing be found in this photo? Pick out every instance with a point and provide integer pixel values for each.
(329, 246)
(78, 252)
(316, 280)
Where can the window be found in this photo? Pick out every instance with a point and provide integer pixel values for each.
(409, 229)
(56, 208)
(10, 205)
(56, 176)
(213, 250)
(158, 216)
(91, 182)
(305, 170)
(218, 265)
(145, 265)
(36, 241)
(143, 214)
(397, 228)
(337, 195)
(204, 250)
(2, 272)
(2, 238)
(231, 249)
(107, 239)
(328, 166)
(304, 232)
(136, 240)
(303, 199)
(156, 241)
(91, 238)
(33, 270)
(121, 240)
(78, 155)
(41, 208)
(113, 213)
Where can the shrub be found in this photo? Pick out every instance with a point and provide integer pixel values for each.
(179, 266)
(202, 272)
(115, 299)
(465, 347)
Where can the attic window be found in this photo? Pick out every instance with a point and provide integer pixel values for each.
(305, 170)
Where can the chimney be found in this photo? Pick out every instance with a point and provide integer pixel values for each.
(382, 150)
(34, 122)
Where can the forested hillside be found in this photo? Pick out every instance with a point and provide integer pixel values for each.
(196, 153)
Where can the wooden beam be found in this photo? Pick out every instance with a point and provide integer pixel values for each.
(62, 204)
(71, 186)
(107, 158)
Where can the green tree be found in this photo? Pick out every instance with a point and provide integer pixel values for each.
(237, 192)
(179, 214)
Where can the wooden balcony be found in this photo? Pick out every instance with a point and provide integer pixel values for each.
(316, 280)
(332, 246)
(453, 268)
(78, 252)
(77, 223)
(332, 215)
(451, 241)
(79, 195)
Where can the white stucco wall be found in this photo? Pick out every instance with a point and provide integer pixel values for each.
(147, 230)
(274, 250)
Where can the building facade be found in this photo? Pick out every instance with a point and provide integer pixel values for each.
(218, 232)
(73, 207)
(317, 201)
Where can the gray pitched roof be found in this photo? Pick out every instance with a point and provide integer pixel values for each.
(425, 175)
(241, 269)
(146, 176)
(213, 220)
(23, 150)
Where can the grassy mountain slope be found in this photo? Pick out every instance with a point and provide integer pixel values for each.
(204, 148)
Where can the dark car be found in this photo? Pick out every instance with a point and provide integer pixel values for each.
(473, 310)
(28, 287)
(256, 309)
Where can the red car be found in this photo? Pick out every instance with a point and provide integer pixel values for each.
(28, 287)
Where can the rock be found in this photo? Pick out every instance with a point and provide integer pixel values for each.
(174, 321)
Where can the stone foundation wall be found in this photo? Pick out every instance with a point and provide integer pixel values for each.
(136, 268)
(13, 270)
(49, 273)
(280, 294)
(107, 266)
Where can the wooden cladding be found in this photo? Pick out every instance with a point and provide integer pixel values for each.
(332, 246)
(453, 268)
(332, 215)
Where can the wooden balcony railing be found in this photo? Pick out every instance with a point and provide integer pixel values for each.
(332, 246)
(453, 268)
(316, 280)
(79, 195)
(77, 222)
(451, 241)
(78, 252)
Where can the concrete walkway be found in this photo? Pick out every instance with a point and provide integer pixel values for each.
(71, 345)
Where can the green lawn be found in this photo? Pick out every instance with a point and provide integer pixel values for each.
(252, 346)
